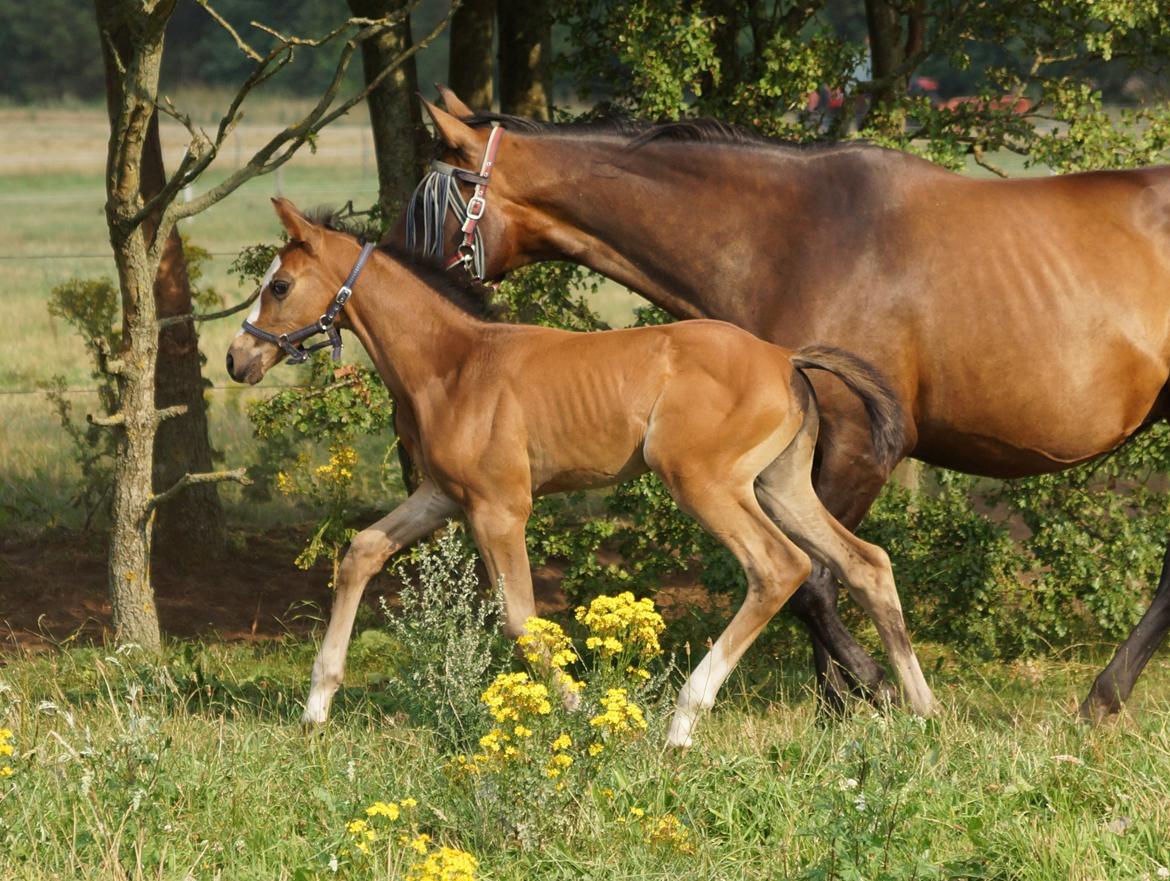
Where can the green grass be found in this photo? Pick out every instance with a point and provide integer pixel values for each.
(200, 770)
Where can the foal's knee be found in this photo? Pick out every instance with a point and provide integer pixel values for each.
(364, 558)
(788, 569)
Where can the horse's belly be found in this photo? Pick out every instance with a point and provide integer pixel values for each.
(1039, 417)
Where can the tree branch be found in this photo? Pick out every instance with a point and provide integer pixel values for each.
(285, 144)
(187, 480)
(107, 364)
(223, 23)
(111, 421)
(165, 413)
(208, 316)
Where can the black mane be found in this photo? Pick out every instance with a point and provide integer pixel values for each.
(641, 133)
(456, 287)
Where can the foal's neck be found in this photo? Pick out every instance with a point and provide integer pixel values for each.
(411, 332)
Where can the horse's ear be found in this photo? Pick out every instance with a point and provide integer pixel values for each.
(299, 227)
(452, 103)
(455, 133)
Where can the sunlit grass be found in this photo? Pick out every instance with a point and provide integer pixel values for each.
(201, 768)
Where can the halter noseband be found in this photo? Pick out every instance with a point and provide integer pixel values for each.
(290, 342)
(438, 193)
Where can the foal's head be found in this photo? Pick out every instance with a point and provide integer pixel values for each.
(299, 287)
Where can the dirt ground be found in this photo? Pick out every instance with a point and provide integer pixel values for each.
(53, 593)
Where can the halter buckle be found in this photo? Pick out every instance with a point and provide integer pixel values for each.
(342, 295)
(476, 205)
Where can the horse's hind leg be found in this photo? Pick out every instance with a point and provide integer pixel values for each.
(785, 491)
(421, 514)
(774, 566)
(1113, 685)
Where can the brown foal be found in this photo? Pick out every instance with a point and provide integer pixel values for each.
(495, 414)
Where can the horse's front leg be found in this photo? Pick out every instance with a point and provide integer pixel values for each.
(422, 513)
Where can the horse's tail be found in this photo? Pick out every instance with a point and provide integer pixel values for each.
(886, 425)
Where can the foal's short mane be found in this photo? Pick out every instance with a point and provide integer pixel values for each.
(456, 287)
(641, 133)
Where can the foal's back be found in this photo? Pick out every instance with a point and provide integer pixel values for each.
(590, 406)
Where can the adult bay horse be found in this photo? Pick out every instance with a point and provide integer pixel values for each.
(495, 414)
(1024, 324)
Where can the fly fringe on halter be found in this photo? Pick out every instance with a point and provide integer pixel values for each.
(887, 427)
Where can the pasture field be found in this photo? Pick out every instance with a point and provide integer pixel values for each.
(51, 194)
(200, 770)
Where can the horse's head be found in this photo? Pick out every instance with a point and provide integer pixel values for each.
(463, 148)
(298, 291)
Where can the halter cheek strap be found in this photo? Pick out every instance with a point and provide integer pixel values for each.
(290, 342)
(439, 193)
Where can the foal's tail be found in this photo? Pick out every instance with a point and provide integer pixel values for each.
(886, 427)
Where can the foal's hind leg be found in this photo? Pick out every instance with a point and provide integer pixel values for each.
(421, 514)
(785, 490)
(774, 566)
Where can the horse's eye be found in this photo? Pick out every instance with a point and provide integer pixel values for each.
(280, 288)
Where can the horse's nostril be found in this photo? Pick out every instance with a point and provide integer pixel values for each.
(231, 366)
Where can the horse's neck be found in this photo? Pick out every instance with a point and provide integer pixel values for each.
(685, 225)
(411, 333)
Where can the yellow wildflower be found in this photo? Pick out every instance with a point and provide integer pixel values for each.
(522, 731)
(668, 829)
(6, 771)
(408, 803)
(383, 809)
(444, 864)
(596, 748)
(420, 842)
(562, 742)
(362, 834)
(636, 811)
(512, 696)
(620, 716)
(544, 642)
(285, 484)
(621, 622)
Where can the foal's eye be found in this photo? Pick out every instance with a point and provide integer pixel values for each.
(280, 288)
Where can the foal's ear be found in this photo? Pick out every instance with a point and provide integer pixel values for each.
(299, 227)
(455, 133)
(452, 103)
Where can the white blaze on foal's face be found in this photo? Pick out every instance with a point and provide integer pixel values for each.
(264, 282)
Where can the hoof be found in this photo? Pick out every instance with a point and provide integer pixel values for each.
(1097, 710)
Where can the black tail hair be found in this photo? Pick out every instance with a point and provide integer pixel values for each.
(886, 423)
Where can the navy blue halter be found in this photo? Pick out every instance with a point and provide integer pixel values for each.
(291, 342)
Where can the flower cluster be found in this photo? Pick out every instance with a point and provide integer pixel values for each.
(545, 642)
(444, 864)
(666, 829)
(621, 623)
(560, 761)
(342, 460)
(620, 716)
(429, 863)
(513, 696)
(6, 751)
(546, 645)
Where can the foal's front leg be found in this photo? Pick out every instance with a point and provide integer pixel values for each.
(499, 534)
(421, 514)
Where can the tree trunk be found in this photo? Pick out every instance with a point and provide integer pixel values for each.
(891, 47)
(470, 64)
(526, 58)
(193, 519)
(400, 141)
(132, 48)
